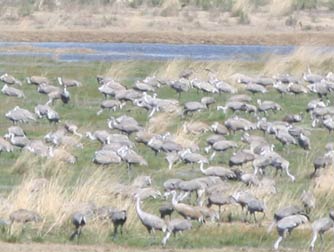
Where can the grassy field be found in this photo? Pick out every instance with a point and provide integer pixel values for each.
(70, 185)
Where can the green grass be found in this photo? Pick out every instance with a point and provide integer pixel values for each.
(82, 111)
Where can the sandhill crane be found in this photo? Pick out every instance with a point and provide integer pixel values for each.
(188, 156)
(62, 155)
(37, 147)
(10, 91)
(240, 98)
(281, 88)
(186, 73)
(175, 226)
(143, 87)
(293, 118)
(68, 82)
(222, 172)
(116, 216)
(79, 221)
(315, 104)
(37, 80)
(297, 89)
(186, 211)
(181, 85)
(193, 106)
(131, 157)
(235, 123)
(241, 157)
(263, 81)
(304, 141)
(264, 106)
(243, 198)
(286, 78)
(308, 200)
(256, 88)
(222, 146)
(172, 184)
(284, 137)
(225, 87)
(24, 216)
(106, 157)
(171, 158)
(253, 206)
(219, 199)
(166, 209)
(322, 162)
(320, 88)
(103, 136)
(287, 224)
(19, 141)
(203, 86)
(18, 114)
(9, 79)
(126, 126)
(16, 130)
(219, 129)
(55, 137)
(64, 95)
(311, 77)
(285, 212)
(5, 146)
(41, 110)
(321, 226)
(110, 104)
(233, 105)
(150, 221)
(72, 128)
(47, 88)
(208, 100)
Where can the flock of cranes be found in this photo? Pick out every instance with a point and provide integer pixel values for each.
(217, 185)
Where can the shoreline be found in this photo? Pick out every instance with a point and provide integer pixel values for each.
(265, 38)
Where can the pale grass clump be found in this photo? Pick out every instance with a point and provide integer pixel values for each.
(298, 61)
(278, 8)
(186, 140)
(161, 122)
(55, 201)
(120, 70)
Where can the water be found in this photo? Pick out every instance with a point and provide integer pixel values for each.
(145, 51)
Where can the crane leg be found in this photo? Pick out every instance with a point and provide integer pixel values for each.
(314, 238)
(166, 237)
(278, 241)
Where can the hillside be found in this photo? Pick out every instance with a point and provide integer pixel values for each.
(177, 21)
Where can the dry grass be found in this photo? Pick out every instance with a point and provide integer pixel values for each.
(161, 122)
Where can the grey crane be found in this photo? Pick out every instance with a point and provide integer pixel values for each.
(293, 118)
(16, 130)
(72, 128)
(203, 86)
(131, 157)
(308, 200)
(240, 98)
(47, 89)
(241, 157)
(186, 211)
(116, 216)
(244, 79)
(264, 81)
(128, 95)
(287, 224)
(106, 157)
(10, 79)
(103, 136)
(195, 185)
(284, 137)
(322, 161)
(219, 199)
(264, 106)
(233, 105)
(256, 88)
(176, 226)
(171, 158)
(235, 124)
(143, 87)
(211, 140)
(304, 141)
(222, 146)
(222, 172)
(181, 85)
(127, 126)
(18, 114)
(41, 110)
(110, 105)
(19, 141)
(188, 156)
(281, 88)
(297, 89)
(172, 184)
(311, 77)
(328, 122)
(55, 137)
(219, 128)
(286, 78)
(5, 146)
(37, 147)
(64, 95)
(79, 221)
(186, 73)
(193, 106)
(68, 82)
(255, 205)
(166, 210)
(37, 80)
(10, 91)
(24, 216)
(315, 104)
(53, 116)
(208, 101)
(224, 87)
(285, 212)
(62, 155)
(320, 88)
(320, 226)
(243, 198)
(150, 221)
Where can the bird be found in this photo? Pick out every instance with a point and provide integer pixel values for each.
(222, 172)
(24, 216)
(106, 157)
(308, 200)
(111, 105)
(150, 221)
(118, 218)
(72, 128)
(264, 106)
(62, 94)
(37, 80)
(320, 226)
(10, 91)
(18, 114)
(9, 79)
(79, 220)
(68, 82)
(131, 157)
(5, 146)
(176, 226)
(287, 224)
(166, 210)
(193, 106)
